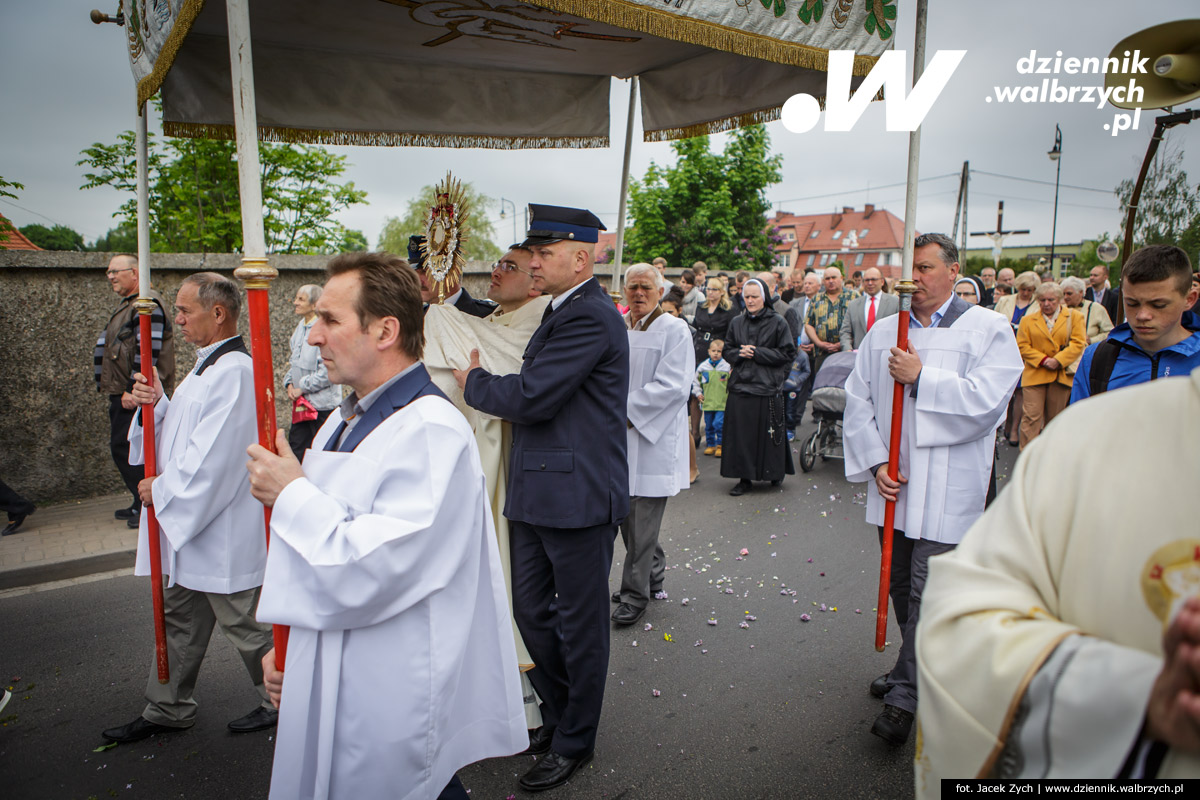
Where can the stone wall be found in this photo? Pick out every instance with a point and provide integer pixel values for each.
(54, 435)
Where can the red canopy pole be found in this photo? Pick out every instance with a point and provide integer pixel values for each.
(145, 307)
(255, 273)
(905, 289)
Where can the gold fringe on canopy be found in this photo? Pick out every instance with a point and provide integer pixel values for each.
(713, 126)
(148, 86)
(667, 25)
(728, 123)
(198, 130)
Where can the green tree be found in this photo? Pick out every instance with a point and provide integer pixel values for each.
(194, 200)
(121, 239)
(709, 207)
(1169, 205)
(480, 244)
(60, 237)
(6, 188)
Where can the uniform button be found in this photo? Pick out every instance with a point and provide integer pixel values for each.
(543, 466)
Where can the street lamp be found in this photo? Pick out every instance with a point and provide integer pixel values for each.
(503, 215)
(1055, 156)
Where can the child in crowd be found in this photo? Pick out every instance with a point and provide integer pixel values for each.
(709, 387)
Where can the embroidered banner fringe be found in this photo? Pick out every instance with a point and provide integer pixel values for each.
(196, 130)
(148, 86)
(666, 25)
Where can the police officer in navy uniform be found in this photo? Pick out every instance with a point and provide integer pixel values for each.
(456, 294)
(568, 483)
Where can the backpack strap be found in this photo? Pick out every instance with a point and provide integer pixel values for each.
(1103, 362)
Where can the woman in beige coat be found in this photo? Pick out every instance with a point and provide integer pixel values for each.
(1049, 338)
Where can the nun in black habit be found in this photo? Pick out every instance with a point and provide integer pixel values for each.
(760, 349)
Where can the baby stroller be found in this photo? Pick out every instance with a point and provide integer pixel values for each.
(828, 404)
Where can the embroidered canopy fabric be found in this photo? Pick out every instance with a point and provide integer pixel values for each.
(495, 73)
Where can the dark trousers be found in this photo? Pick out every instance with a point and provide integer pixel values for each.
(910, 568)
(301, 434)
(794, 402)
(454, 790)
(13, 504)
(119, 420)
(561, 606)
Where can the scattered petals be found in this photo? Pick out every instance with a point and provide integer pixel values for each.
(743, 624)
(633, 643)
(745, 551)
(805, 618)
(656, 692)
(660, 595)
(667, 637)
(648, 627)
(858, 611)
(683, 602)
(104, 747)
(712, 621)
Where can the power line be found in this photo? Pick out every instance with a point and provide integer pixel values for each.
(1044, 183)
(864, 189)
(1044, 202)
(31, 211)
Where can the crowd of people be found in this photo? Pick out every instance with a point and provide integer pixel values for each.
(440, 520)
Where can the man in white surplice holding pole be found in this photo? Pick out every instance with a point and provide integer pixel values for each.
(383, 561)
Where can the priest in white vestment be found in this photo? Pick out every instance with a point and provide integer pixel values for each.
(662, 364)
(1041, 644)
(960, 369)
(211, 532)
(401, 667)
(500, 338)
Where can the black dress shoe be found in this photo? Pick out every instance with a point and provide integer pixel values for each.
(879, 686)
(740, 488)
(550, 771)
(616, 597)
(126, 513)
(257, 720)
(627, 614)
(137, 730)
(133, 522)
(539, 741)
(14, 525)
(893, 725)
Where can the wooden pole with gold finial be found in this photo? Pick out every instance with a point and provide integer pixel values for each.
(255, 273)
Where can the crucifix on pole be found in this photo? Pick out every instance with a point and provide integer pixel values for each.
(999, 235)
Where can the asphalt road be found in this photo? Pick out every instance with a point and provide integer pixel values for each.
(777, 709)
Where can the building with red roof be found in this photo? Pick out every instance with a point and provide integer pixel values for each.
(13, 239)
(872, 237)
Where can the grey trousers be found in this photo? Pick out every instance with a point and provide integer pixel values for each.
(190, 618)
(644, 559)
(910, 568)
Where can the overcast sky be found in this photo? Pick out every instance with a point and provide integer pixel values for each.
(67, 84)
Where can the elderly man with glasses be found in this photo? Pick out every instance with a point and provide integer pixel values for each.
(118, 356)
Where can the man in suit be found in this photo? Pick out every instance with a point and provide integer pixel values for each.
(1097, 293)
(569, 485)
(456, 294)
(863, 311)
(794, 402)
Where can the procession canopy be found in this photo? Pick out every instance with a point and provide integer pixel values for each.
(495, 73)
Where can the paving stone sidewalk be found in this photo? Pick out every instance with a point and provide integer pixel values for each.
(68, 540)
